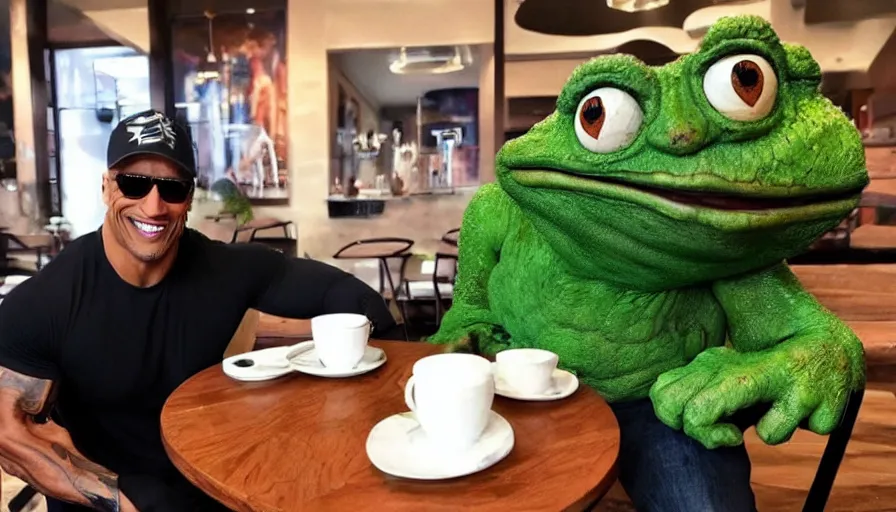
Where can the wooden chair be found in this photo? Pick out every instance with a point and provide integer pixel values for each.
(244, 338)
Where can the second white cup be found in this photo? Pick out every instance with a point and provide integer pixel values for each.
(451, 395)
(340, 339)
(529, 370)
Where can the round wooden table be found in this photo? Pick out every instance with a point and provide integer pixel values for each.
(298, 443)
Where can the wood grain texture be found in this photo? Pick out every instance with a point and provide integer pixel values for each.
(881, 162)
(298, 443)
(864, 296)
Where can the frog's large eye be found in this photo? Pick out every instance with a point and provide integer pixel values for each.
(741, 87)
(607, 120)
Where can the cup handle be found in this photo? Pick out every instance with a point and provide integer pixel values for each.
(409, 395)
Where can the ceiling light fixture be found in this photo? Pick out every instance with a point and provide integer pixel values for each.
(250, 10)
(636, 5)
(422, 61)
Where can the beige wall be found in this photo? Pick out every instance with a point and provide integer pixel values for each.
(836, 46)
(316, 26)
(368, 117)
(363, 24)
(129, 27)
(26, 200)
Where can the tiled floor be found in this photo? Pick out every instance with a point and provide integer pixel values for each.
(11, 487)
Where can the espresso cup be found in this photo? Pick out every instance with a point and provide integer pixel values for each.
(340, 339)
(451, 396)
(528, 370)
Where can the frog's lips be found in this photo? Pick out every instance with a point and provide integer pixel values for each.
(717, 200)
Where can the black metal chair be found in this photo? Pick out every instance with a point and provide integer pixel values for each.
(833, 454)
(829, 465)
(390, 248)
(286, 244)
(452, 237)
(16, 246)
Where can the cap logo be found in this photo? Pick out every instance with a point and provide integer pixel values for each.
(151, 130)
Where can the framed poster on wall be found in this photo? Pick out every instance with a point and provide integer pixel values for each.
(229, 76)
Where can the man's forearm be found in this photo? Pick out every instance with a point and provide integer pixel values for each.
(308, 288)
(43, 455)
(351, 295)
(59, 471)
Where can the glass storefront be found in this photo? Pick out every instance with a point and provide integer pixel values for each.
(101, 85)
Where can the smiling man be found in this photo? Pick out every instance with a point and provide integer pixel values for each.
(92, 346)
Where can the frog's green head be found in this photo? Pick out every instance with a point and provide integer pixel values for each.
(726, 160)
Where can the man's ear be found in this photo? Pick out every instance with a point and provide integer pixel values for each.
(106, 188)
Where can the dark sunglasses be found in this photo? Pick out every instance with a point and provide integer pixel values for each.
(170, 190)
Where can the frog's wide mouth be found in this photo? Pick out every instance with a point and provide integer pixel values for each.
(736, 200)
(716, 204)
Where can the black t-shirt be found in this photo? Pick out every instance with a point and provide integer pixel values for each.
(117, 351)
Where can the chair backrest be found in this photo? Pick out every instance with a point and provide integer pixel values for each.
(243, 339)
(451, 237)
(384, 247)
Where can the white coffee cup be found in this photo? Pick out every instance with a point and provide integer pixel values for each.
(528, 370)
(451, 396)
(340, 339)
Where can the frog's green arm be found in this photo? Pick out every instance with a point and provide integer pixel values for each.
(469, 321)
(771, 307)
(786, 350)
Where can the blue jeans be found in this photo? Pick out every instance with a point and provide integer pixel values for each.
(664, 470)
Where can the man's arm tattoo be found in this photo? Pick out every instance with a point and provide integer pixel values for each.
(43, 454)
(33, 394)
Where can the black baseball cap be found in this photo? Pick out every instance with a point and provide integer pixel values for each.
(152, 133)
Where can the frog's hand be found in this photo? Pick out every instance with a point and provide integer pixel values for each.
(787, 351)
(481, 338)
(469, 325)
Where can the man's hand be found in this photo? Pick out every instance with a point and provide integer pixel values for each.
(43, 455)
(809, 376)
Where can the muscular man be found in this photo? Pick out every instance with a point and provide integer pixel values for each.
(92, 346)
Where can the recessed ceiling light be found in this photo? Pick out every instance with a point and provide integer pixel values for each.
(250, 10)
(636, 5)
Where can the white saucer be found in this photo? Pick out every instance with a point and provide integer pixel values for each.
(398, 446)
(267, 364)
(565, 384)
(305, 360)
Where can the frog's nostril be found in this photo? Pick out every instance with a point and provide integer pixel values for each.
(682, 138)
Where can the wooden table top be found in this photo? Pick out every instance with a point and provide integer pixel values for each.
(298, 443)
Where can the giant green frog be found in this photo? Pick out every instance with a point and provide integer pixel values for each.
(641, 231)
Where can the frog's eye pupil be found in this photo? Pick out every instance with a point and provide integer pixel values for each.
(607, 120)
(747, 80)
(593, 116)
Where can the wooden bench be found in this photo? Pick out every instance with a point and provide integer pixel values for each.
(864, 296)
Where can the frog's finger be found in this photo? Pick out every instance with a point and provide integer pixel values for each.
(782, 420)
(717, 435)
(827, 416)
(669, 399)
(724, 397)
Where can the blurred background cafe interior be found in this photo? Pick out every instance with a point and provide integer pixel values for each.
(356, 131)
